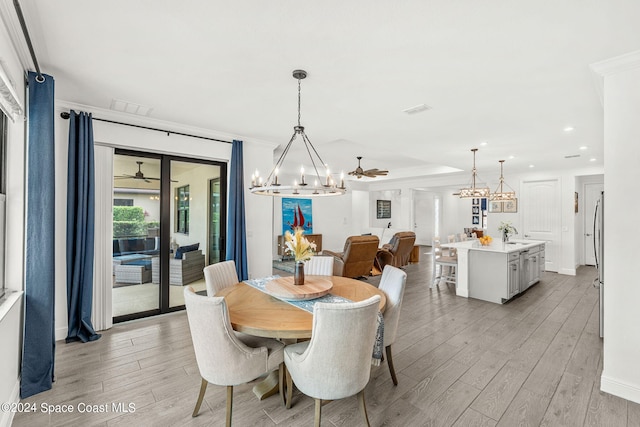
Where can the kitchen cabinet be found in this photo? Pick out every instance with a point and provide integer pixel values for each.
(499, 272)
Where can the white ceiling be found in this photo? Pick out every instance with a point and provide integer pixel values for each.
(512, 74)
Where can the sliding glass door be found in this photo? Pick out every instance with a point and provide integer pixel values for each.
(167, 220)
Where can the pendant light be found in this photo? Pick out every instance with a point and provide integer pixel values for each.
(473, 191)
(321, 185)
(500, 195)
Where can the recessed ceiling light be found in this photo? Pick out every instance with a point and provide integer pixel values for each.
(532, 166)
(584, 147)
(483, 143)
(593, 159)
(568, 129)
(417, 109)
(512, 157)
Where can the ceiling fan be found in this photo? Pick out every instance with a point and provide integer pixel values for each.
(369, 173)
(138, 175)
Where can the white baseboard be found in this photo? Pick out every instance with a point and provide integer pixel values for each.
(620, 389)
(61, 333)
(6, 417)
(567, 271)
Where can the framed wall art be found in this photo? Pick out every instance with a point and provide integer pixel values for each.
(383, 209)
(510, 206)
(297, 213)
(495, 207)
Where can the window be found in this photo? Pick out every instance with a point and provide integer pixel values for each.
(182, 210)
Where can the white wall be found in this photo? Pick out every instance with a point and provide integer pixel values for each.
(11, 312)
(621, 375)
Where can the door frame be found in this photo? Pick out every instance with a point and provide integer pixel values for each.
(166, 224)
(587, 226)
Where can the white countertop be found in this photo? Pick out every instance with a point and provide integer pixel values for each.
(497, 245)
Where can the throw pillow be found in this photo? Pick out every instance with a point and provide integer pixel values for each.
(187, 248)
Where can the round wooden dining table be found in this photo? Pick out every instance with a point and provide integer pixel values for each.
(256, 313)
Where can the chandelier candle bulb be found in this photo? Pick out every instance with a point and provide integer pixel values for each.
(276, 177)
(302, 176)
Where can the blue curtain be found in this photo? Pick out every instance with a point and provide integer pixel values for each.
(80, 228)
(236, 227)
(38, 348)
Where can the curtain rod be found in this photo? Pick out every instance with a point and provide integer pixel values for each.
(66, 116)
(25, 32)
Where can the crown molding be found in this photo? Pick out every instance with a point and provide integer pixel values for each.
(103, 113)
(611, 66)
(617, 64)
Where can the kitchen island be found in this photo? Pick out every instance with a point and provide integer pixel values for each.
(497, 272)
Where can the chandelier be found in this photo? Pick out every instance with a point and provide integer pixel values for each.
(500, 195)
(313, 186)
(473, 191)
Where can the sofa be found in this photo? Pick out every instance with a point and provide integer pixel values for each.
(398, 251)
(185, 266)
(136, 245)
(356, 259)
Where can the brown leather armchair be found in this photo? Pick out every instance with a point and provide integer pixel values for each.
(397, 251)
(357, 257)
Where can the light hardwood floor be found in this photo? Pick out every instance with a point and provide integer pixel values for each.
(460, 362)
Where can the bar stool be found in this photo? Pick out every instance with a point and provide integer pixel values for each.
(446, 259)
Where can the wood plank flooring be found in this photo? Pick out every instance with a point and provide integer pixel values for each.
(535, 361)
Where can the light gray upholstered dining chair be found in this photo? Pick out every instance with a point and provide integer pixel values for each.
(219, 276)
(336, 362)
(392, 283)
(223, 357)
(319, 266)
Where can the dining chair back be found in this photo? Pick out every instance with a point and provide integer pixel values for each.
(392, 283)
(336, 362)
(223, 357)
(319, 266)
(219, 276)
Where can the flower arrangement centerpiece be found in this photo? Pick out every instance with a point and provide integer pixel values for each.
(507, 230)
(301, 249)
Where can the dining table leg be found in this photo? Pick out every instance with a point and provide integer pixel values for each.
(270, 385)
(267, 387)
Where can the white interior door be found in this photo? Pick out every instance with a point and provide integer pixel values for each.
(541, 217)
(423, 217)
(591, 195)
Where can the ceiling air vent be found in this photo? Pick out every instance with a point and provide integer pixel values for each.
(571, 156)
(130, 107)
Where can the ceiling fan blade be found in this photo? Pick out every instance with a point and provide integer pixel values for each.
(375, 172)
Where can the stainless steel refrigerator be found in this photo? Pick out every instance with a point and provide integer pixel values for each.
(598, 247)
